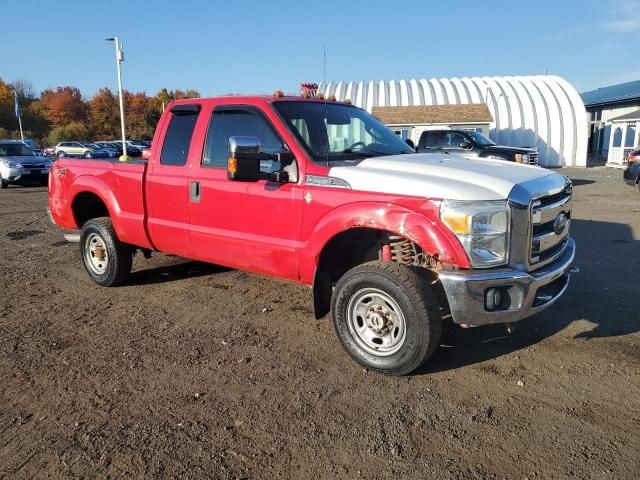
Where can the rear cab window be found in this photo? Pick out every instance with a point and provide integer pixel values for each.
(431, 140)
(177, 140)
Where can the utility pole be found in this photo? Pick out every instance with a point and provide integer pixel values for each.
(19, 115)
(120, 58)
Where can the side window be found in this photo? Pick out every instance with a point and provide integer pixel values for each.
(452, 140)
(231, 123)
(431, 140)
(175, 149)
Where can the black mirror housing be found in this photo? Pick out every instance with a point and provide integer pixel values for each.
(466, 145)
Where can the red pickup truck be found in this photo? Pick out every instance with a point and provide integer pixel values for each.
(321, 192)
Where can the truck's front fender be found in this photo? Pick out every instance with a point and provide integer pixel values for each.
(422, 227)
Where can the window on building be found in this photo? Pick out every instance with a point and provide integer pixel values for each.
(617, 138)
(631, 136)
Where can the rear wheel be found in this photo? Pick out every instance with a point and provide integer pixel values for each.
(88, 154)
(386, 317)
(107, 260)
(61, 154)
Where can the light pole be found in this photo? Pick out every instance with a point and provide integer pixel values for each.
(120, 58)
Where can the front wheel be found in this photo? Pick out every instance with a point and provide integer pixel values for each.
(107, 260)
(3, 183)
(88, 154)
(387, 317)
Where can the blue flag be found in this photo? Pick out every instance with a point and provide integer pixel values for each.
(18, 112)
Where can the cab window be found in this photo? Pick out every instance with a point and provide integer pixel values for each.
(230, 123)
(431, 140)
(177, 140)
(452, 140)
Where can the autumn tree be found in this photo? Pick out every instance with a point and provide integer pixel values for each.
(63, 106)
(104, 115)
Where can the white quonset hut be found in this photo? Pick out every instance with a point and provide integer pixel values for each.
(543, 111)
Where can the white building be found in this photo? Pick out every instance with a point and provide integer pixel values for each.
(544, 112)
(614, 121)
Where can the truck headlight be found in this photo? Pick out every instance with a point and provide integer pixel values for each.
(482, 228)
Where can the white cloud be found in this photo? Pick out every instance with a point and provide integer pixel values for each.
(626, 16)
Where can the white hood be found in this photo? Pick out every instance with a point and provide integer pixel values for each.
(437, 175)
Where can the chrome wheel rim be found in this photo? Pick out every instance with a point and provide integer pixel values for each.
(376, 322)
(95, 254)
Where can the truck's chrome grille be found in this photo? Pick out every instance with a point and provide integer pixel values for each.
(550, 223)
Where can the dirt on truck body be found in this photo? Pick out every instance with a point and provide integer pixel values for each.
(190, 370)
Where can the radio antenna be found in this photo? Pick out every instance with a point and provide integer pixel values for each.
(324, 65)
(324, 85)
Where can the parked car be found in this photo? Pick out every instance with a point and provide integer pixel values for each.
(132, 150)
(631, 174)
(110, 145)
(113, 150)
(144, 143)
(19, 164)
(474, 144)
(388, 239)
(81, 149)
(49, 151)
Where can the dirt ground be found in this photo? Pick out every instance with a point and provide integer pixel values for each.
(194, 371)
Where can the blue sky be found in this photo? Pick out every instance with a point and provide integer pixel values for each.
(245, 46)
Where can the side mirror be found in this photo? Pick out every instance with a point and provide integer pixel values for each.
(466, 146)
(243, 163)
(410, 143)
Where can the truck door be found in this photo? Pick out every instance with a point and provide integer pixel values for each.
(249, 225)
(166, 185)
(451, 142)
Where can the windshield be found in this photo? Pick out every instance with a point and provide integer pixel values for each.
(335, 132)
(480, 139)
(15, 150)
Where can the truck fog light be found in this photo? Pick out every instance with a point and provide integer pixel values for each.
(493, 298)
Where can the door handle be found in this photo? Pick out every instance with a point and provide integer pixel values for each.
(194, 189)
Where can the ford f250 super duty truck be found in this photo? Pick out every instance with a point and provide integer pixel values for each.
(320, 192)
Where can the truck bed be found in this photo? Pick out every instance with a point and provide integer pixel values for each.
(101, 177)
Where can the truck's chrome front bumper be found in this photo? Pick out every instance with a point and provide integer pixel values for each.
(523, 294)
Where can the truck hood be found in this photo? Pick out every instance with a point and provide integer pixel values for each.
(24, 159)
(434, 175)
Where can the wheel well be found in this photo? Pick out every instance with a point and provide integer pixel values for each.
(87, 205)
(356, 246)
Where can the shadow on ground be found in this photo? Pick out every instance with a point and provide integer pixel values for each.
(604, 293)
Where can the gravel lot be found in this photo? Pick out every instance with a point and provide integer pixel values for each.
(194, 371)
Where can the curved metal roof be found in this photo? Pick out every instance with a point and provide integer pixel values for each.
(541, 111)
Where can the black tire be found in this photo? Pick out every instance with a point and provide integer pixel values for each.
(119, 256)
(88, 154)
(61, 154)
(3, 183)
(411, 292)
